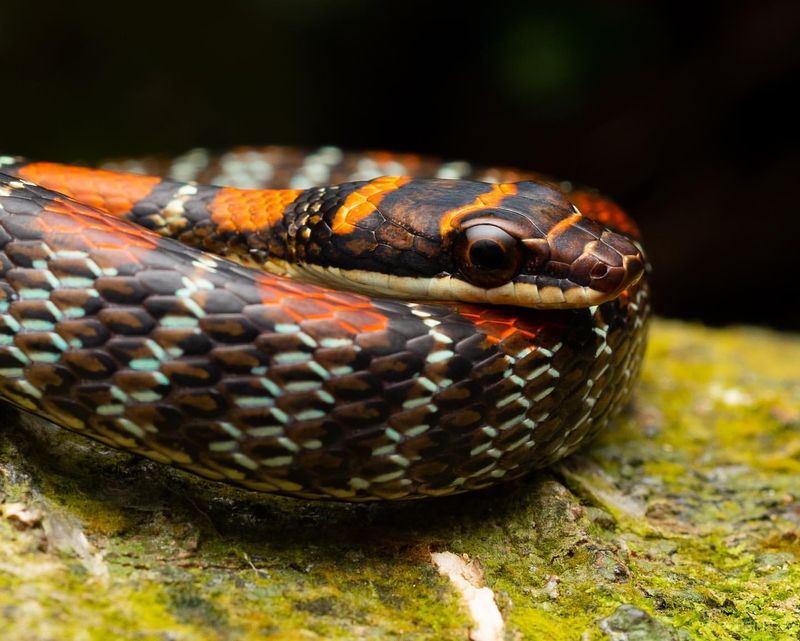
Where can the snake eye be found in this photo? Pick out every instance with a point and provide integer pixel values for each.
(488, 256)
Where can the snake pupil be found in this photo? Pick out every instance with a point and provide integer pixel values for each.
(488, 256)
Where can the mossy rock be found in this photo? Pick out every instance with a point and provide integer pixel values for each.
(680, 522)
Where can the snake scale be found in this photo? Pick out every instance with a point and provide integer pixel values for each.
(489, 321)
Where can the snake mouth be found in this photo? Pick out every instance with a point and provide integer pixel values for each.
(537, 292)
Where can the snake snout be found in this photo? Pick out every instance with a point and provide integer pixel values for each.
(608, 264)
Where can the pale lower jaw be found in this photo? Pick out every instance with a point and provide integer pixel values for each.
(442, 288)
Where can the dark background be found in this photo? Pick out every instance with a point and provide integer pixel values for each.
(685, 113)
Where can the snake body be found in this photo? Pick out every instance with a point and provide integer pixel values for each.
(134, 338)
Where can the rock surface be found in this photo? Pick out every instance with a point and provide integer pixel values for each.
(680, 522)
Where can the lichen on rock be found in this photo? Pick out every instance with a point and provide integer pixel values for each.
(682, 520)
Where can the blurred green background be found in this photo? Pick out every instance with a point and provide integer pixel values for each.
(686, 113)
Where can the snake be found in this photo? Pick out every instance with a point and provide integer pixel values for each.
(321, 324)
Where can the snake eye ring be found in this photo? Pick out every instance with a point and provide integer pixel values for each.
(488, 256)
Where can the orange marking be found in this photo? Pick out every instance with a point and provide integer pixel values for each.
(491, 199)
(604, 211)
(498, 326)
(113, 192)
(66, 217)
(562, 225)
(248, 210)
(363, 201)
(361, 321)
(354, 313)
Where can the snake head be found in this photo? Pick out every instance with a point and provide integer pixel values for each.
(519, 244)
(534, 248)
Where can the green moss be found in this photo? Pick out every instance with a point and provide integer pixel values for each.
(680, 521)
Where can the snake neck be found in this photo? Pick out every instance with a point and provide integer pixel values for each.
(311, 234)
(258, 227)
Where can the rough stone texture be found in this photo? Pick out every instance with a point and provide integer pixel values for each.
(681, 522)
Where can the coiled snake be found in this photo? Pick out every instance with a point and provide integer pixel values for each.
(490, 327)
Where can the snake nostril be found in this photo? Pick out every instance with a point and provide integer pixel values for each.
(599, 271)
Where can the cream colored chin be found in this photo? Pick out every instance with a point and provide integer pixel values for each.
(439, 288)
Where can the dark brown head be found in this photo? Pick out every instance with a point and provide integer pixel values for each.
(518, 244)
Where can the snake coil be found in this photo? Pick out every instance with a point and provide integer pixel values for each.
(244, 376)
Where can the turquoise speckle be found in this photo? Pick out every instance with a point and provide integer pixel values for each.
(175, 321)
(34, 293)
(156, 349)
(145, 364)
(117, 393)
(58, 342)
(335, 342)
(78, 282)
(110, 409)
(130, 427)
(28, 389)
(93, 267)
(54, 311)
(302, 386)
(194, 308)
(222, 446)
(44, 357)
(271, 387)
(255, 401)
(319, 370)
(71, 253)
(145, 396)
(309, 415)
(18, 354)
(74, 312)
(10, 322)
(290, 358)
(37, 324)
(231, 429)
